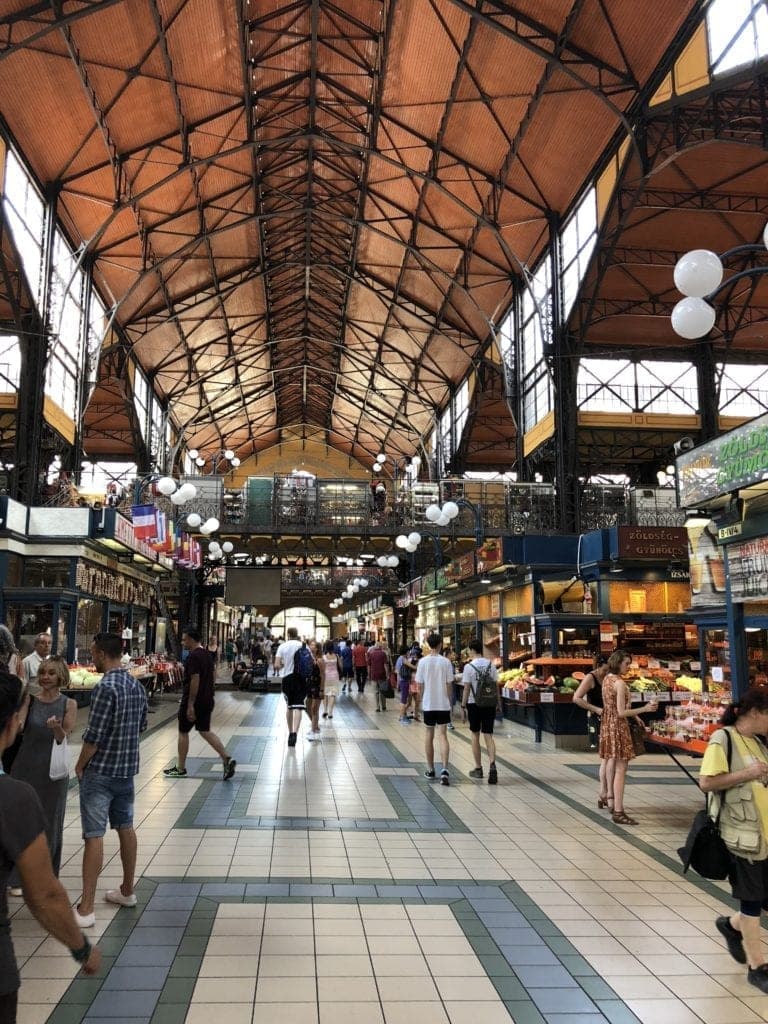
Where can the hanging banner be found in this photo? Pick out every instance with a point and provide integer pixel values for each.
(706, 565)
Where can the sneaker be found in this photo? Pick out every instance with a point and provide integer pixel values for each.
(291, 739)
(493, 775)
(758, 976)
(733, 939)
(116, 896)
(476, 773)
(378, 709)
(14, 890)
(404, 721)
(175, 772)
(84, 920)
(313, 736)
(444, 779)
(429, 774)
(229, 768)
(451, 727)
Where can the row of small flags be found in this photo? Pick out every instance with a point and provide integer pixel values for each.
(153, 526)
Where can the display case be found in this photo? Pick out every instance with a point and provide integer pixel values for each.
(675, 640)
(519, 642)
(343, 502)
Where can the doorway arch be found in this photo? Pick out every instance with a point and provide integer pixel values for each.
(311, 623)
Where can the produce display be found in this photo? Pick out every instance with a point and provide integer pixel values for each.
(696, 719)
(83, 678)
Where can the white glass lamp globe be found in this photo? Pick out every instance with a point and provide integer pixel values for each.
(698, 273)
(692, 318)
(364, 583)
(355, 589)
(193, 453)
(166, 485)
(401, 540)
(227, 547)
(765, 236)
(393, 561)
(229, 454)
(235, 462)
(189, 491)
(414, 538)
(432, 513)
(382, 561)
(216, 555)
(416, 460)
(194, 520)
(177, 498)
(214, 524)
(381, 458)
(410, 548)
(450, 509)
(213, 546)
(199, 461)
(376, 467)
(443, 520)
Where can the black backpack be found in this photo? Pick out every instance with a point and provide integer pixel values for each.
(304, 663)
(485, 691)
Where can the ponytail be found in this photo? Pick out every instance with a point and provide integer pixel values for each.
(755, 699)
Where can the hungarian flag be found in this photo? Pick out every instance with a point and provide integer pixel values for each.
(144, 526)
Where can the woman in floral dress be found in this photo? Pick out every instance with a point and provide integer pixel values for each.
(616, 746)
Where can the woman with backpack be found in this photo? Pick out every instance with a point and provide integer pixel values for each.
(481, 703)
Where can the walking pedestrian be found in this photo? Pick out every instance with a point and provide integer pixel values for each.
(379, 667)
(108, 762)
(294, 686)
(360, 661)
(330, 667)
(481, 719)
(434, 674)
(196, 707)
(23, 846)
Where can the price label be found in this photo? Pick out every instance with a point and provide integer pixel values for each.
(637, 698)
(653, 663)
(516, 694)
(717, 674)
(507, 693)
(673, 666)
(695, 666)
(654, 695)
(547, 698)
(679, 695)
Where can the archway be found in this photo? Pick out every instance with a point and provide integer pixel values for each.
(311, 623)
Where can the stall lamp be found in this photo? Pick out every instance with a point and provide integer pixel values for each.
(752, 629)
(486, 579)
(615, 567)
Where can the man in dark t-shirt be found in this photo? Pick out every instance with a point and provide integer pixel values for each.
(196, 707)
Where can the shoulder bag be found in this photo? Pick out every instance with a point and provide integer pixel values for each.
(704, 849)
(637, 734)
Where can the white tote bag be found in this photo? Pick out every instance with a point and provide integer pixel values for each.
(59, 767)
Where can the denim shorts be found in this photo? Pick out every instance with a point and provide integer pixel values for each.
(104, 799)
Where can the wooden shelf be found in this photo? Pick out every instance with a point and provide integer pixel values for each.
(692, 746)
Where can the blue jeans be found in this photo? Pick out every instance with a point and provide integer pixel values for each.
(104, 799)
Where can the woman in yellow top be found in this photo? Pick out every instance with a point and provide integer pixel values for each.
(743, 823)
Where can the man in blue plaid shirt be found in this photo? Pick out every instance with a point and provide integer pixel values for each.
(108, 762)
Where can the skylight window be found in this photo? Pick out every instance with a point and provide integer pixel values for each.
(738, 33)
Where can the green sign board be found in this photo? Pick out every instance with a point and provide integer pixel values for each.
(735, 460)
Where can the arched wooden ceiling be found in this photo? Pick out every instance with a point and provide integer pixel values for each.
(306, 213)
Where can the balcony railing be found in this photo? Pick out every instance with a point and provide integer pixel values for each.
(309, 505)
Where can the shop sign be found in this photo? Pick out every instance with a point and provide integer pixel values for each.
(123, 533)
(463, 567)
(652, 542)
(495, 605)
(748, 568)
(489, 554)
(735, 460)
(441, 579)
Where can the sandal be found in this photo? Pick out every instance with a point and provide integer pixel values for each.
(622, 818)
(603, 801)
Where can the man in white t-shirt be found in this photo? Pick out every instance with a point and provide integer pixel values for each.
(434, 674)
(33, 661)
(480, 719)
(293, 686)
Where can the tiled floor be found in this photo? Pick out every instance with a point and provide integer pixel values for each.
(332, 883)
